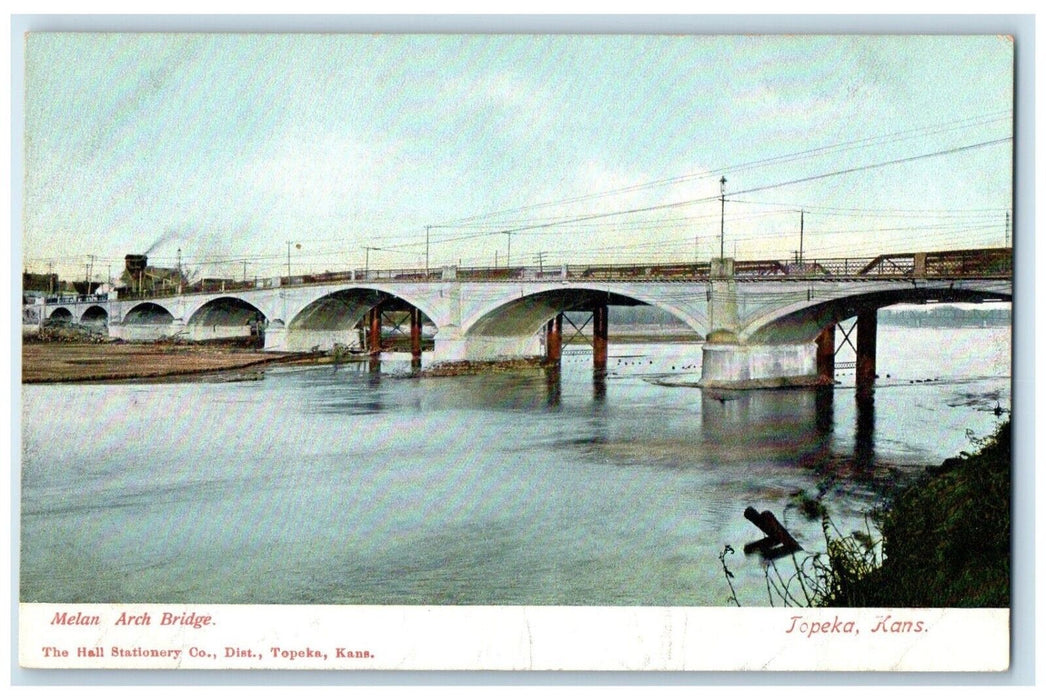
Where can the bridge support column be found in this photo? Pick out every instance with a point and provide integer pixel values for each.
(735, 366)
(826, 353)
(275, 336)
(415, 336)
(723, 322)
(554, 339)
(374, 317)
(600, 337)
(867, 324)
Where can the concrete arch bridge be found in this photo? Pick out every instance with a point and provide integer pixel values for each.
(765, 323)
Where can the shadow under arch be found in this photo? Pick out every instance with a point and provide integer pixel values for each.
(148, 313)
(226, 311)
(345, 308)
(526, 315)
(803, 324)
(61, 315)
(95, 316)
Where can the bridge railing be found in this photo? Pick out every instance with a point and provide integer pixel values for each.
(75, 298)
(982, 263)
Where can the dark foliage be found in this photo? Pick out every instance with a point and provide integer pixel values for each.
(946, 538)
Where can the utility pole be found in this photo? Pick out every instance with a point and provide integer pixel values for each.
(427, 229)
(801, 235)
(179, 270)
(288, 260)
(508, 256)
(540, 257)
(90, 272)
(722, 214)
(366, 261)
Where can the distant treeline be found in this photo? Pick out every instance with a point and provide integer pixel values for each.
(641, 316)
(944, 315)
(947, 316)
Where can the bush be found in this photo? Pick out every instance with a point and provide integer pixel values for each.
(945, 542)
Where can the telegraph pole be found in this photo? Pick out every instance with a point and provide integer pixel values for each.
(288, 260)
(508, 256)
(801, 236)
(90, 273)
(366, 260)
(427, 229)
(722, 215)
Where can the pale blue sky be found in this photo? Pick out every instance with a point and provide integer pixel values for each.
(228, 146)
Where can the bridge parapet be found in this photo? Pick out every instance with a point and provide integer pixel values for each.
(996, 263)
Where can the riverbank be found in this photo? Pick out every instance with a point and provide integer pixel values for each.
(80, 355)
(946, 538)
(87, 362)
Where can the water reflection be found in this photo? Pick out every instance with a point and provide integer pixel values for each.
(824, 397)
(864, 431)
(553, 385)
(554, 486)
(599, 385)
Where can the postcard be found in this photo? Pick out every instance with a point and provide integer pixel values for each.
(487, 351)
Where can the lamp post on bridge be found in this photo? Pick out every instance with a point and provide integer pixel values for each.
(722, 215)
(297, 246)
(801, 214)
(366, 260)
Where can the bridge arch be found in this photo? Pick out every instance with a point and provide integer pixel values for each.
(334, 317)
(148, 314)
(511, 326)
(528, 313)
(345, 307)
(225, 311)
(802, 321)
(225, 317)
(95, 316)
(60, 314)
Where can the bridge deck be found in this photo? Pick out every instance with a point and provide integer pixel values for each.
(984, 263)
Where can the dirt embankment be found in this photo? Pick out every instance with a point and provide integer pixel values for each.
(86, 361)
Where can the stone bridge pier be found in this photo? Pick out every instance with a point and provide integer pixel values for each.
(729, 361)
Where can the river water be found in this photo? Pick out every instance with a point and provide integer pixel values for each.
(333, 484)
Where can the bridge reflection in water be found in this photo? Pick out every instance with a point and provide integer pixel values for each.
(751, 424)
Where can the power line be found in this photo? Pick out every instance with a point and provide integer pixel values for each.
(809, 178)
(774, 160)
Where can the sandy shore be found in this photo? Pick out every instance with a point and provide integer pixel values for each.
(81, 362)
